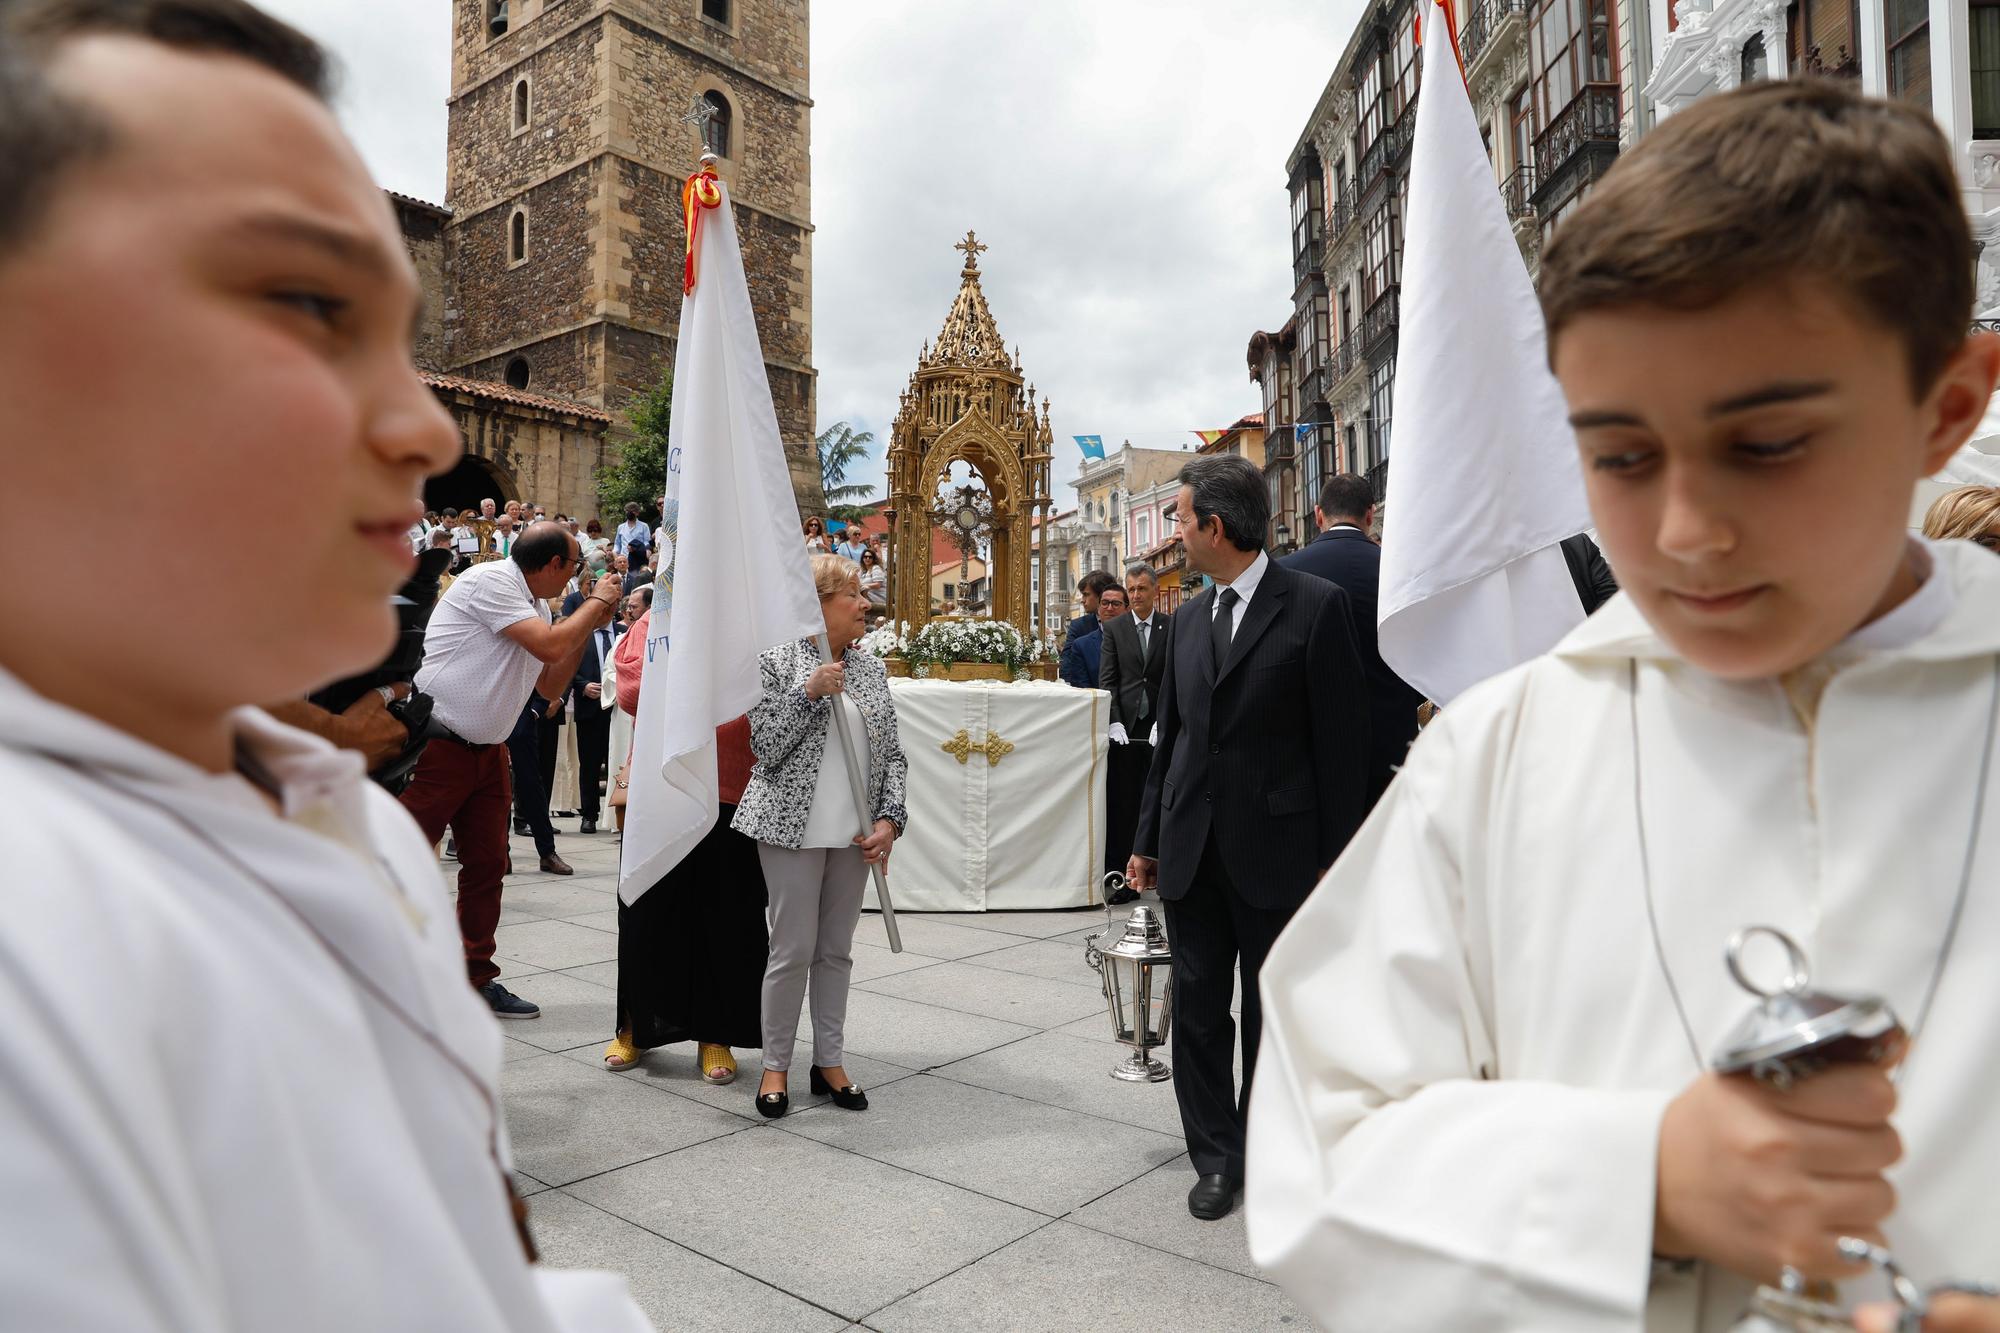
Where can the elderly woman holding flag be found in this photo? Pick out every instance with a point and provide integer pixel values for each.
(800, 807)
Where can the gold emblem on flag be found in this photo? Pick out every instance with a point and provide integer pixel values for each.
(962, 747)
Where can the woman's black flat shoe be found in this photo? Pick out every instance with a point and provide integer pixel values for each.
(849, 1098)
(771, 1105)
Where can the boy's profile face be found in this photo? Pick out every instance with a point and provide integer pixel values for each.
(214, 317)
(1750, 466)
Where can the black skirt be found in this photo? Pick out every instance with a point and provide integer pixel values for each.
(692, 950)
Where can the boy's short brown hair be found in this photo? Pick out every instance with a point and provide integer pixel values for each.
(1792, 179)
(42, 133)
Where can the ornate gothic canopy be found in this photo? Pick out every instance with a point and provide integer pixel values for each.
(968, 404)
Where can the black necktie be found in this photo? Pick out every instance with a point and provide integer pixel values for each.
(1223, 628)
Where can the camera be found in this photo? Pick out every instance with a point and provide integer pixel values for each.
(413, 603)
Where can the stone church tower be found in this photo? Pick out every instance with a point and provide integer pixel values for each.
(567, 149)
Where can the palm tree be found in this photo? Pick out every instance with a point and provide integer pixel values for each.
(840, 447)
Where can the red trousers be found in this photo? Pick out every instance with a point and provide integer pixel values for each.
(468, 788)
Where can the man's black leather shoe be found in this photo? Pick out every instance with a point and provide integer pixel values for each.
(588, 826)
(1212, 1197)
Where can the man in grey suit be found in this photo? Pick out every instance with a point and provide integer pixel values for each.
(1132, 661)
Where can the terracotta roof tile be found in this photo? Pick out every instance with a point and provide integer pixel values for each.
(415, 202)
(507, 393)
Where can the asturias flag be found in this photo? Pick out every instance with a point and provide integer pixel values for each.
(1092, 445)
(1483, 479)
(734, 577)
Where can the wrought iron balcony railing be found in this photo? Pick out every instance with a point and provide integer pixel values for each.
(1484, 21)
(1343, 215)
(1519, 190)
(1591, 119)
(1306, 262)
(1378, 476)
(1378, 325)
(1345, 359)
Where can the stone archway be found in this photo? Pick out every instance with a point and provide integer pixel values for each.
(472, 480)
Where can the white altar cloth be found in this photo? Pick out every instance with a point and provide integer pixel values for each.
(1026, 832)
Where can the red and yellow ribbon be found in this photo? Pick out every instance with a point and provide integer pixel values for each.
(703, 191)
(1451, 30)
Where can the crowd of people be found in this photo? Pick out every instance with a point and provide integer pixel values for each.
(244, 1084)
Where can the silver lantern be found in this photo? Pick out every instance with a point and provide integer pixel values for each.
(1136, 972)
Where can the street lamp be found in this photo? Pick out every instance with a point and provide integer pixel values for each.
(1284, 535)
(1135, 973)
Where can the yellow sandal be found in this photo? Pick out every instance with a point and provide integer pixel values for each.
(718, 1065)
(621, 1053)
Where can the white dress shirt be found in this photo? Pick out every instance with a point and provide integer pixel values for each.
(480, 678)
(1246, 588)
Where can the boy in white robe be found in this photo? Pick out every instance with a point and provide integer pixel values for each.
(243, 1085)
(1483, 1101)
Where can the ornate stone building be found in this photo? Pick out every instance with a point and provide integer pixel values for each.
(555, 271)
(968, 410)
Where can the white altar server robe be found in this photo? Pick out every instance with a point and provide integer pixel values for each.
(207, 1122)
(1468, 1041)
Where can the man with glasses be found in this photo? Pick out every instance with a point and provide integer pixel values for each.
(489, 648)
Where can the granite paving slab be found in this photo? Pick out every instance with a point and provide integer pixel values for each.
(568, 1122)
(1064, 1277)
(838, 1230)
(937, 939)
(672, 1069)
(552, 944)
(574, 1011)
(1061, 1070)
(1037, 1156)
(1152, 1210)
(1034, 1001)
(1057, 959)
(916, 1035)
(680, 1291)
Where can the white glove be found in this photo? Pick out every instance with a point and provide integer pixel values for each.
(1118, 736)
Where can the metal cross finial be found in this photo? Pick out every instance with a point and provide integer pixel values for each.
(973, 249)
(701, 114)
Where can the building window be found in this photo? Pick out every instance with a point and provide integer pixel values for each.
(1353, 460)
(521, 106)
(1378, 253)
(1521, 129)
(1572, 47)
(716, 11)
(496, 18)
(1908, 29)
(517, 237)
(519, 372)
(1142, 529)
(1369, 96)
(1984, 52)
(718, 122)
(1381, 385)
(1408, 68)
(1754, 64)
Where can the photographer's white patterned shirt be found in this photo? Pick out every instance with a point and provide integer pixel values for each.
(480, 678)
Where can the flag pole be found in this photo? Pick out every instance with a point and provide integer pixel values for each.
(861, 803)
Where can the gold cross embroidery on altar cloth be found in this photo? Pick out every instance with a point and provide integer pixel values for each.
(962, 747)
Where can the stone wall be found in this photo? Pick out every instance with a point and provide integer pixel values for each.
(423, 230)
(551, 460)
(566, 365)
(489, 161)
(498, 305)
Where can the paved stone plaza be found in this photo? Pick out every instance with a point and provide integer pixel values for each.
(1000, 1181)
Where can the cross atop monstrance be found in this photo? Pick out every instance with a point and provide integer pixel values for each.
(973, 249)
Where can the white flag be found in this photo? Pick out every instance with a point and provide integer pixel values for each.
(1483, 474)
(734, 574)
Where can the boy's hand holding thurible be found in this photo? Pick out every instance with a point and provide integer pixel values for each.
(1755, 1179)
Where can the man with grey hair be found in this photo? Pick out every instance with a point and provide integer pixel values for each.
(1132, 663)
(1259, 778)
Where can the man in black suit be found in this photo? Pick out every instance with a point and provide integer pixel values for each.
(1090, 587)
(593, 722)
(1133, 661)
(1343, 554)
(1259, 778)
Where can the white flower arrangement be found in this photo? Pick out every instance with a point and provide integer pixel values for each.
(942, 642)
(887, 641)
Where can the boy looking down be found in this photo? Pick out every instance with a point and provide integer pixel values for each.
(1484, 1100)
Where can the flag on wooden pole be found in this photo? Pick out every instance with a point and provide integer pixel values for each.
(734, 575)
(1483, 474)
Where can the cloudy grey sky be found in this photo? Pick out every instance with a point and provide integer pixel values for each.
(1123, 158)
